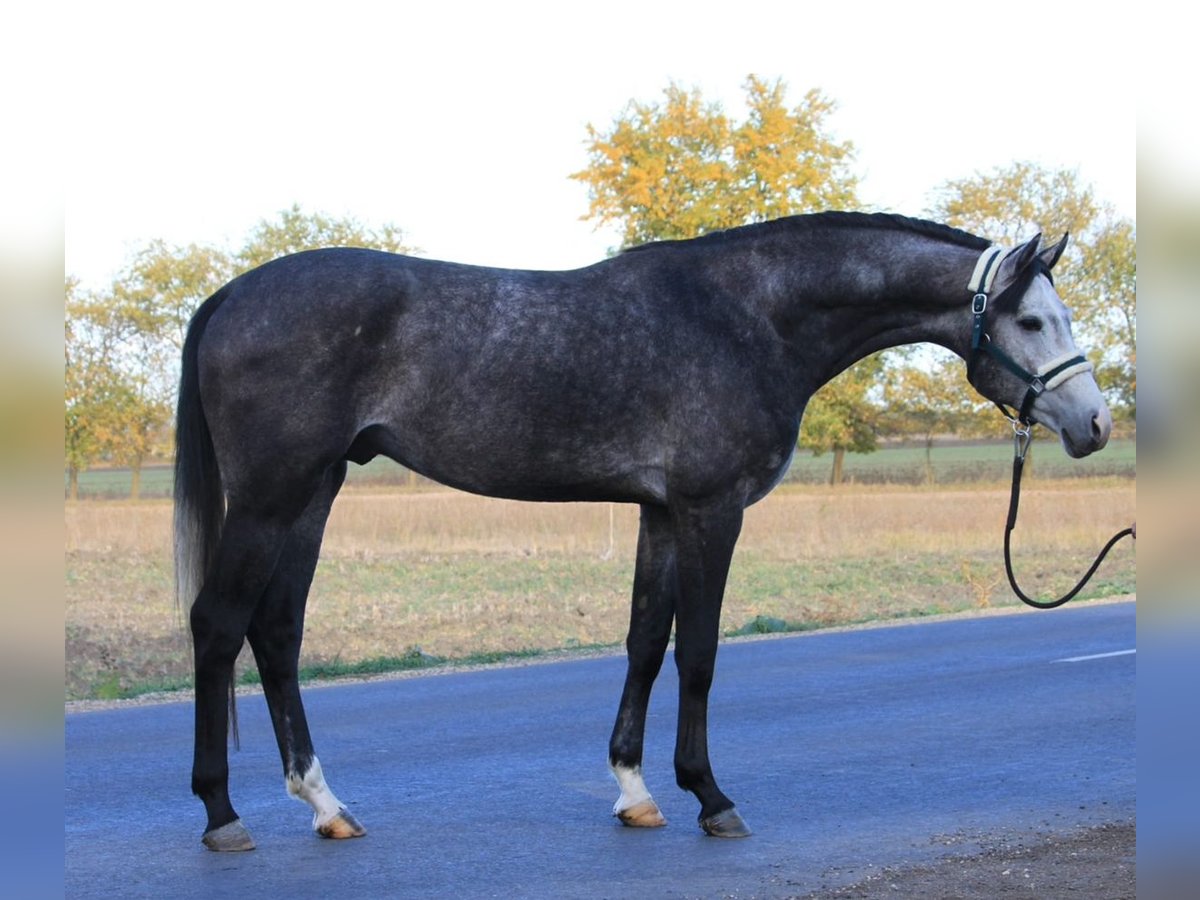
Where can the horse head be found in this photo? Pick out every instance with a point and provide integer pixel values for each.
(1023, 354)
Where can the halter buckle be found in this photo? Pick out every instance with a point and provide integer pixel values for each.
(979, 304)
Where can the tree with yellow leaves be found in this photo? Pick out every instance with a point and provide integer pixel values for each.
(682, 167)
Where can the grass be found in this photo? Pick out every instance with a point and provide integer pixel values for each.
(413, 579)
(953, 462)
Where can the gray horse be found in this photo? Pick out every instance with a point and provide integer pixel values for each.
(673, 375)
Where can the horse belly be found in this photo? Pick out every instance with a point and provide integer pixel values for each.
(522, 457)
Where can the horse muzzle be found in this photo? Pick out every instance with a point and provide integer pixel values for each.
(1088, 434)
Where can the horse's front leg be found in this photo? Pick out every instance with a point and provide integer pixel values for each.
(704, 540)
(653, 607)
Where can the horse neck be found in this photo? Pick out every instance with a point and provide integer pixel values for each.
(841, 295)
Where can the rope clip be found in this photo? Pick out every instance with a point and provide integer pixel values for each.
(1022, 437)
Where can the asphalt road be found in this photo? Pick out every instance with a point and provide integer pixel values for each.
(845, 752)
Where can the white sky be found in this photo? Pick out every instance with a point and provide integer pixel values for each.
(460, 121)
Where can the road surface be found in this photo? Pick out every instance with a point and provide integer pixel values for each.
(845, 751)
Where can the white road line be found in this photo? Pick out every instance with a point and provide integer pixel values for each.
(1096, 656)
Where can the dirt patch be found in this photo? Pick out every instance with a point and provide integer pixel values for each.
(1096, 864)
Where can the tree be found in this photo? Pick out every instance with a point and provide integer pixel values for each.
(1097, 278)
(144, 316)
(841, 416)
(681, 168)
(1009, 205)
(83, 387)
(161, 287)
(929, 400)
(784, 162)
(1104, 299)
(96, 386)
(294, 231)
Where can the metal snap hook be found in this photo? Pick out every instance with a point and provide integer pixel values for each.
(1022, 437)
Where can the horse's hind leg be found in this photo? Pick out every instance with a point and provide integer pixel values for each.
(654, 591)
(250, 545)
(275, 634)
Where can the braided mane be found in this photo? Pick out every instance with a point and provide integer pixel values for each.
(835, 219)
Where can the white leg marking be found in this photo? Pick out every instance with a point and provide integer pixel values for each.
(633, 788)
(313, 790)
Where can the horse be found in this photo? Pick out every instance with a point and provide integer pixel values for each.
(672, 375)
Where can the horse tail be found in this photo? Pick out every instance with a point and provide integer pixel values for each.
(199, 494)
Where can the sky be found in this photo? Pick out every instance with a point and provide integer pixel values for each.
(460, 122)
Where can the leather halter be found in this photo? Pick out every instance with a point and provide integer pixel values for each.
(1048, 375)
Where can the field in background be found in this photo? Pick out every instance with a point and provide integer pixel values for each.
(412, 574)
(953, 462)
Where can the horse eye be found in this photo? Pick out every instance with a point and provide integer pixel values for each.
(1030, 323)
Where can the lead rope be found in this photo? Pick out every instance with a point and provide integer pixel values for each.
(1022, 438)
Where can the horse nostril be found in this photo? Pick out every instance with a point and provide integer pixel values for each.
(1101, 427)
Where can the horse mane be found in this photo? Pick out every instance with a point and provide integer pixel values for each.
(835, 219)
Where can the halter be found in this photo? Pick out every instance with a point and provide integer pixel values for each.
(1048, 376)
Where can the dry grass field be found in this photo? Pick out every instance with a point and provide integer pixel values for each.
(450, 575)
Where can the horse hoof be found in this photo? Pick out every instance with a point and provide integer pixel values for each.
(642, 815)
(727, 824)
(341, 826)
(228, 838)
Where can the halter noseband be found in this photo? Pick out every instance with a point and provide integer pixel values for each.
(1048, 376)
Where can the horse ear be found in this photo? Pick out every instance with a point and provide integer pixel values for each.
(1023, 255)
(1051, 255)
